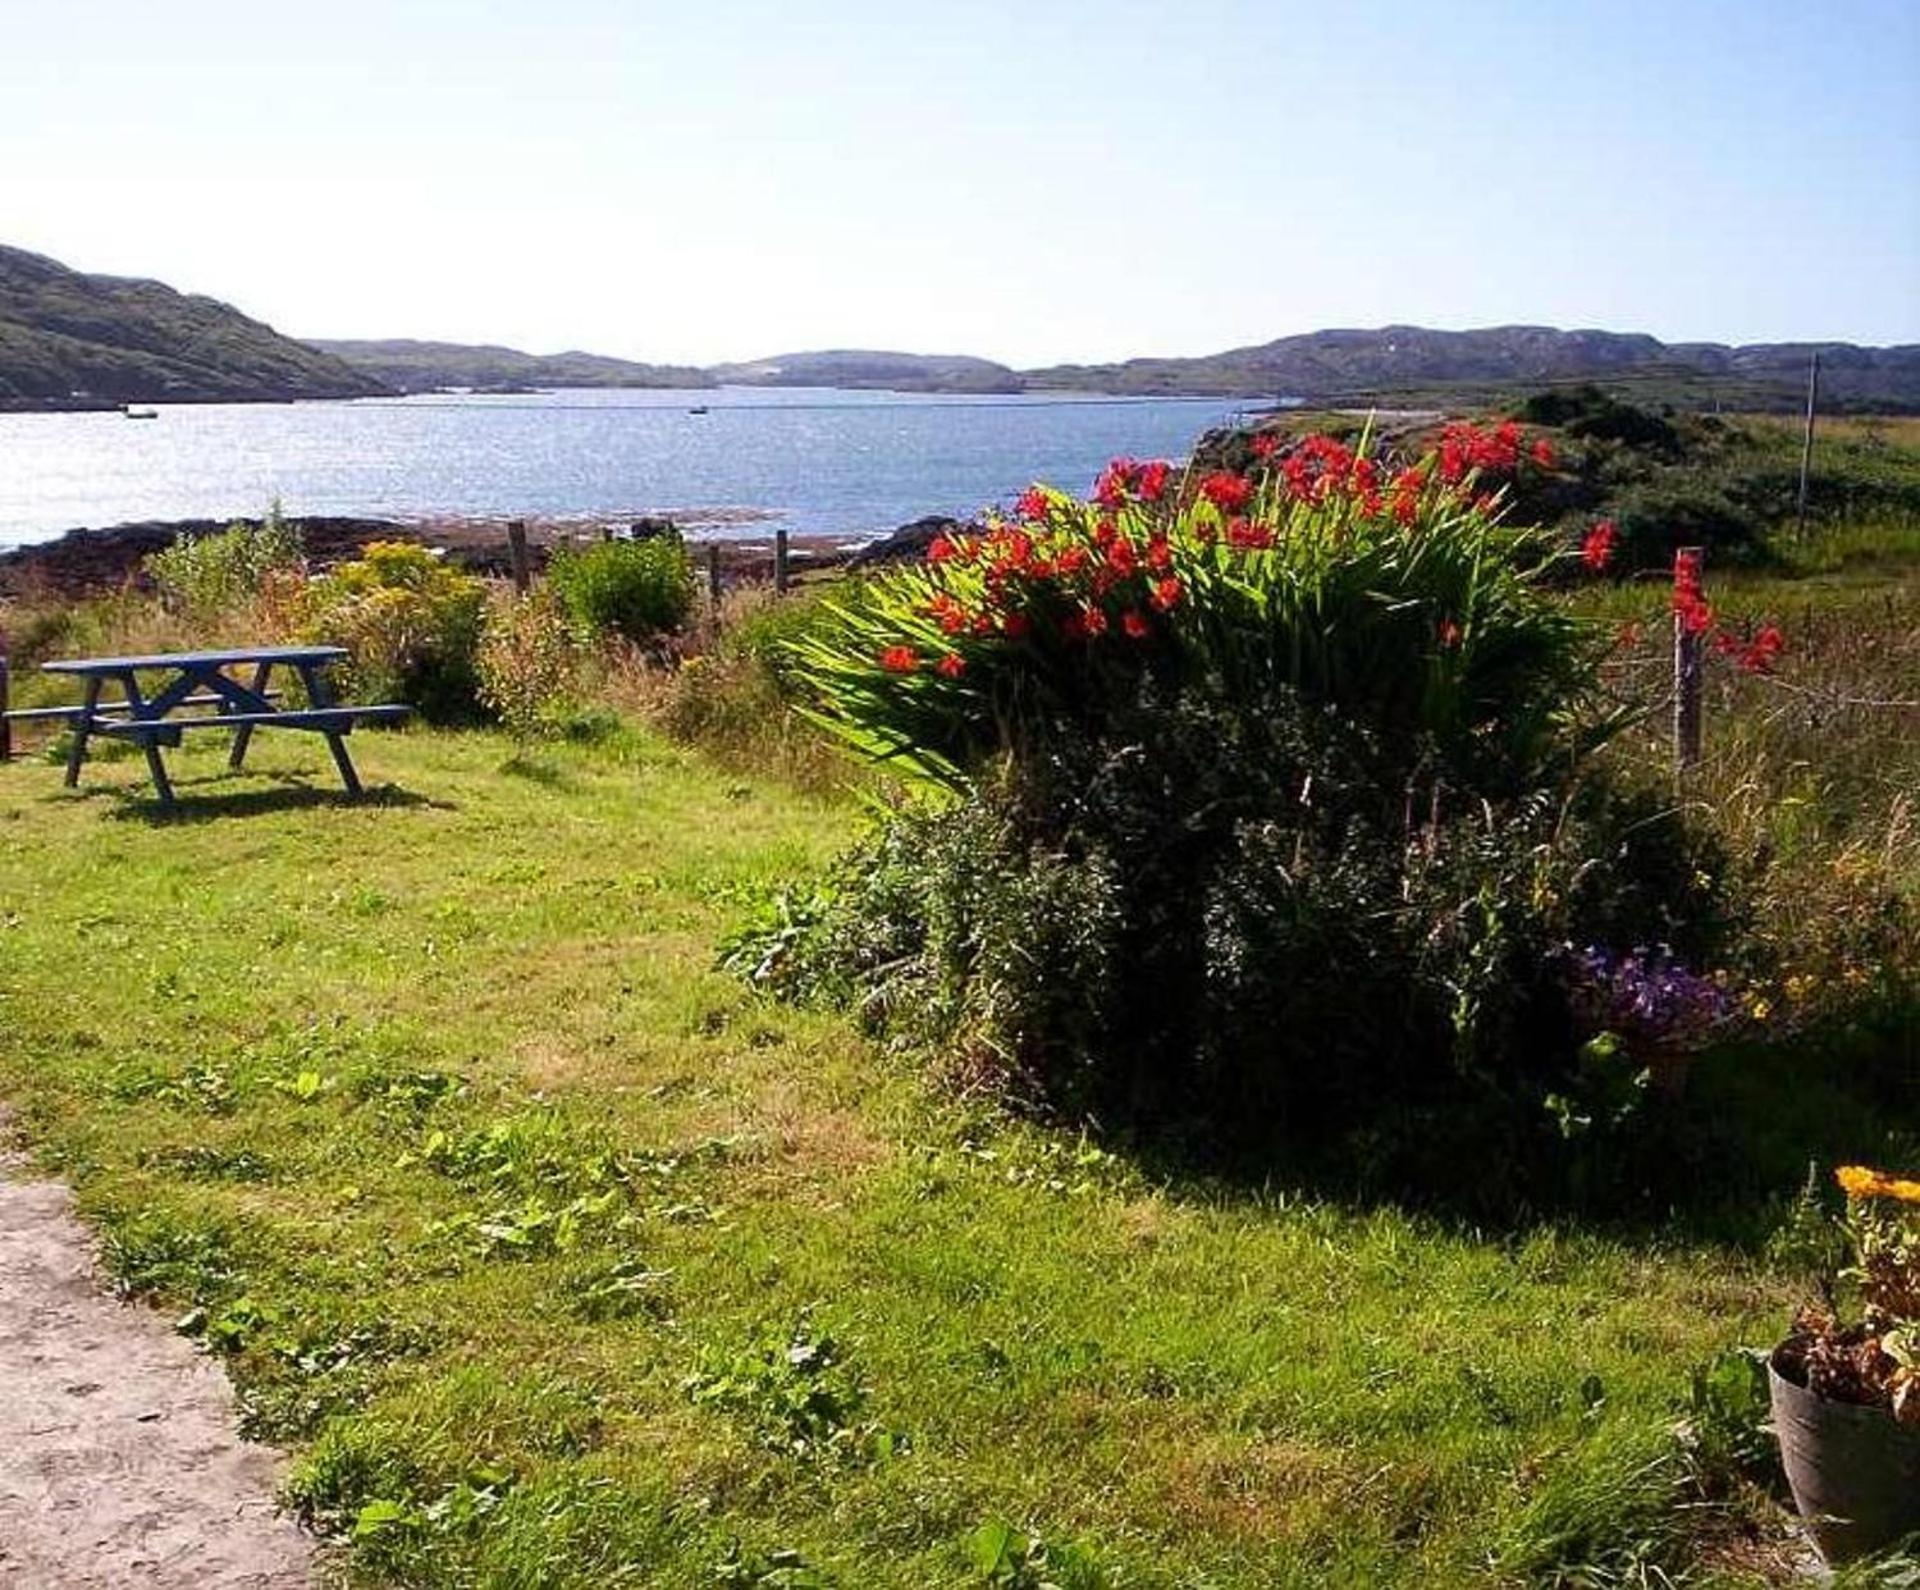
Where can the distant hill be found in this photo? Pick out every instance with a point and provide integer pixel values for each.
(409, 366)
(864, 368)
(1409, 363)
(72, 340)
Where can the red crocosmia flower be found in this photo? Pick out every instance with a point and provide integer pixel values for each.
(1151, 482)
(939, 550)
(1227, 492)
(1093, 620)
(1690, 604)
(1159, 555)
(899, 659)
(1134, 622)
(951, 666)
(1246, 536)
(1449, 633)
(1596, 548)
(1319, 466)
(1104, 530)
(1121, 557)
(1542, 453)
(1266, 444)
(1104, 581)
(1363, 479)
(1016, 626)
(1166, 593)
(1072, 560)
(984, 624)
(1767, 644)
(1407, 486)
(1116, 483)
(1032, 505)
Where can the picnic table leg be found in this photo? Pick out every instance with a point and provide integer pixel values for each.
(320, 693)
(338, 744)
(243, 734)
(162, 785)
(82, 727)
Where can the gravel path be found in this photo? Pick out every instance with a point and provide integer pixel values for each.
(119, 1464)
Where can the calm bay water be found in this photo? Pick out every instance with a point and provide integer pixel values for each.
(854, 463)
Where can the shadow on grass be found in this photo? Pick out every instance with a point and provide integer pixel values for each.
(1720, 1164)
(208, 798)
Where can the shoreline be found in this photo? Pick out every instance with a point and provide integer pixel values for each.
(86, 561)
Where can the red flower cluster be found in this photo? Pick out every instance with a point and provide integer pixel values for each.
(1754, 656)
(899, 659)
(1127, 480)
(1407, 486)
(1596, 550)
(1465, 448)
(1323, 465)
(1690, 603)
(1227, 491)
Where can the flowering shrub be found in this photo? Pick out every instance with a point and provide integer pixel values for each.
(411, 626)
(1875, 1360)
(1268, 810)
(1398, 599)
(1649, 1001)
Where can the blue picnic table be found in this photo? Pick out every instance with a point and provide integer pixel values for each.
(190, 680)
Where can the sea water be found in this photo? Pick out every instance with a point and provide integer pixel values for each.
(844, 463)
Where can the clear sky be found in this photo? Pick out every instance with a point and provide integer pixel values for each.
(1031, 180)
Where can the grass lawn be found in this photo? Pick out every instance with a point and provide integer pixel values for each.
(509, 1211)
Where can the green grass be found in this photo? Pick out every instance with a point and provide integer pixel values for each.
(506, 1209)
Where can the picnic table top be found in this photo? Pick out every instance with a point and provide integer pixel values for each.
(196, 659)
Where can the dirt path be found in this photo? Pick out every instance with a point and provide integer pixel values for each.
(119, 1464)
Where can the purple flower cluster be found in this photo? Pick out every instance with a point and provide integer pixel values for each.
(1646, 996)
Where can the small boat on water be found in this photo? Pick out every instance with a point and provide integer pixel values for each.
(700, 408)
(134, 412)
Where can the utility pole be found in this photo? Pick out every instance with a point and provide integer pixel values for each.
(1806, 443)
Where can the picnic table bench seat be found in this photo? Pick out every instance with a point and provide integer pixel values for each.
(201, 679)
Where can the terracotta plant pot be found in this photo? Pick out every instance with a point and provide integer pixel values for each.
(1855, 1472)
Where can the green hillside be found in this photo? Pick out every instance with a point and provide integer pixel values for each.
(73, 340)
(411, 366)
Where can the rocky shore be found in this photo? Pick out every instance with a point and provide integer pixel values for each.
(85, 561)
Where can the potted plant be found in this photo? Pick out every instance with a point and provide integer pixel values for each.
(1846, 1382)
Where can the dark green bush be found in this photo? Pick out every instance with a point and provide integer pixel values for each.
(638, 590)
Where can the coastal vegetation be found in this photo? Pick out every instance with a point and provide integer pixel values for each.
(1275, 1077)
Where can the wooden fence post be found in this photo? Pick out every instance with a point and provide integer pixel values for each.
(1806, 446)
(517, 550)
(1689, 658)
(713, 574)
(6, 725)
(780, 561)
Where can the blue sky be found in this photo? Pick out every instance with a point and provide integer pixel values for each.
(1031, 180)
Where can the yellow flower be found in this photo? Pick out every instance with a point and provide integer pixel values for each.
(1857, 1181)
